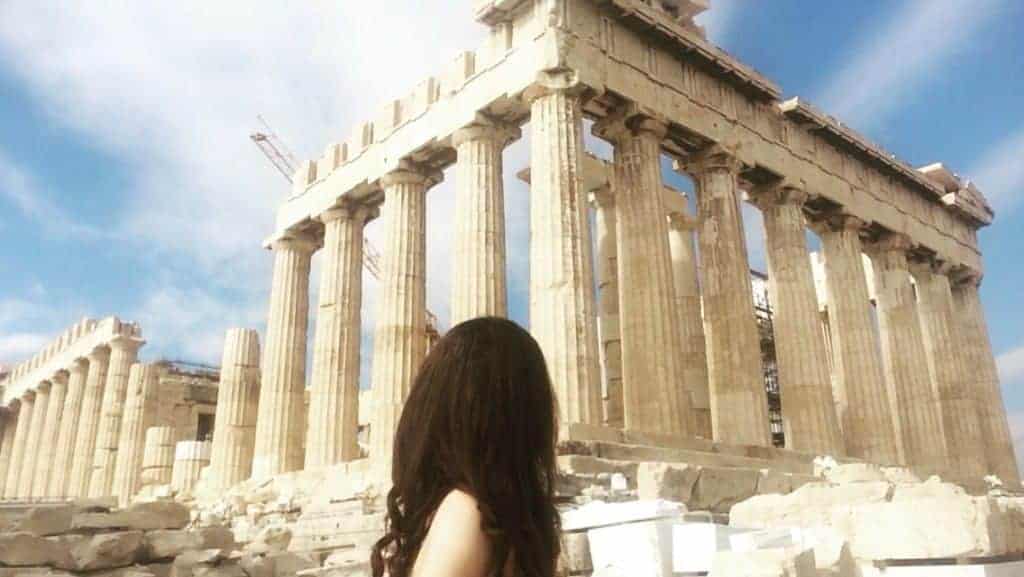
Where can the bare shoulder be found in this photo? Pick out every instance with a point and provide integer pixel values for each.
(455, 545)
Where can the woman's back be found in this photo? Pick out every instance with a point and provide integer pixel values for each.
(456, 543)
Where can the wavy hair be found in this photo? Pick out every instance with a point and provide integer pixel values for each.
(481, 417)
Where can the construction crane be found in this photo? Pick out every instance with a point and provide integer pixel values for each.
(284, 161)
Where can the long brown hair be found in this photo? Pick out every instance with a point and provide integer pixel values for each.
(481, 417)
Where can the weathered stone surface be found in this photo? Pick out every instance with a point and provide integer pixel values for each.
(25, 550)
(764, 563)
(773, 482)
(576, 553)
(288, 564)
(669, 482)
(273, 539)
(811, 505)
(854, 473)
(168, 544)
(718, 489)
(43, 521)
(158, 515)
(103, 551)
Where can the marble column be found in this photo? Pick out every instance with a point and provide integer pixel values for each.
(905, 361)
(32, 458)
(123, 353)
(280, 418)
(400, 338)
(479, 286)
(88, 423)
(334, 396)
(140, 413)
(865, 413)
(808, 408)
(158, 456)
(63, 456)
(562, 308)
(234, 436)
(189, 459)
(984, 380)
(739, 404)
(10, 422)
(12, 488)
(49, 435)
(655, 396)
(608, 306)
(690, 319)
(958, 403)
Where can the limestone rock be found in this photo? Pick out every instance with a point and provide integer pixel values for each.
(104, 551)
(576, 554)
(155, 515)
(167, 544)
(900, 476)
(774, 482)
(44, 521)
(854, 473)
(814, 504)
(288, 564)
(668, 482)
(764, 563)
(25, 550)
(272, 539)
(718, 489)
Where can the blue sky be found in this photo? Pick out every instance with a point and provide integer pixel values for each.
(128, 185)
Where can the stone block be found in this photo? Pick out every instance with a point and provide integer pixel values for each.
(104, 551)
(694, 545)
(773, 482)
(668, 482)
(576, 553)
(832, 555)
(26, 550)
(718, 489)
(167, 544)
(641, 548)
(158, 515)
(814, 504)
(764, 563)
(44, 521)
(854, 473)
(288, 564)
(600, 514)
(272, 539)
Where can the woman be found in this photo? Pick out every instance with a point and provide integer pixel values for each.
(474, 462)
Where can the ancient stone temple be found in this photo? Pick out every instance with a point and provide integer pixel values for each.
(864, 353)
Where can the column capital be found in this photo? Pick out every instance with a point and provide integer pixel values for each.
(411, 173)
(630, 122)
(350, 210)
(930, 265)
(99, 354)
(891, 242)
(964, 276)
(712, 158)
(126, 344)
(553, 82)
(14, 404)
(60, 377)
(485, 128)
(79, 365)
(838, 222)
(28, 396)
(43, 387)
(780, 193)
(299, 241)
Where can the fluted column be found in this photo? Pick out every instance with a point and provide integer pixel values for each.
(234, 436)
(949, 371)
(140, 413)
(63, 456)
(280, 419)
(808, 408)
(984, 380)
(562, 309)
(905, 361)
(12, 488)
(739, 405)
(88, 423)
(123, 353)
(400, 338)
(48, 437)
(690, 319)
(479, 286)
(865, 412)
(10, 422)
(334, 395)
(158, 456)
(608, 306)
(33, 456)
(655, 396)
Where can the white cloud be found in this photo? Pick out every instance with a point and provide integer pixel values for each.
(22, 191)
(29, 324)
(896, 57)
(720, 20)
(1011, 367)
(999, 173)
